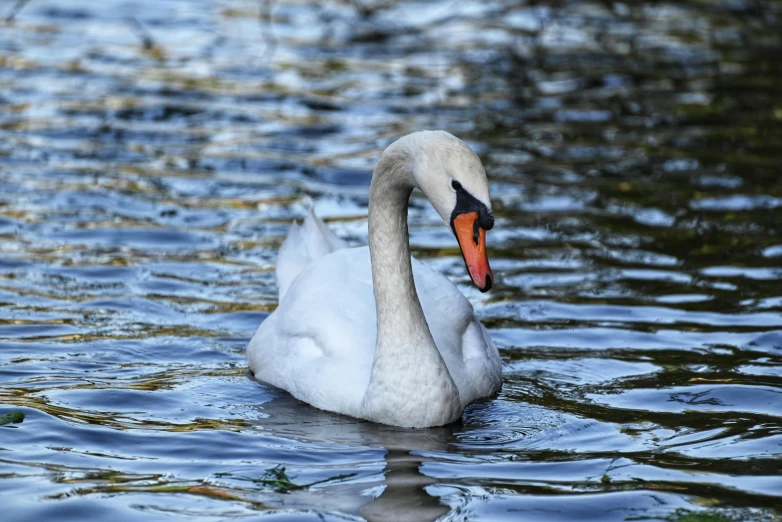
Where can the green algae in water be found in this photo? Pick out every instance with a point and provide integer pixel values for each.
(13, 417)
(720, 515)
(277, 479)
(698, 516)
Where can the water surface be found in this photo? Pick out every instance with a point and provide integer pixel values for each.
(154, 154)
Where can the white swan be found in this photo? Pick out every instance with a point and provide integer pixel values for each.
(351, 336)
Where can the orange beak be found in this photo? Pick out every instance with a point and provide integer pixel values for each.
(472, 240)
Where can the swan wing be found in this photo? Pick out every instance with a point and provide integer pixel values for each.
(305, 243)
(320, 342)
(469, 353)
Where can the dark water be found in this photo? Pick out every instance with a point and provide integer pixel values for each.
(149, 171)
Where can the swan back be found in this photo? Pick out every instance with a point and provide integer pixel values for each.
(305, 243)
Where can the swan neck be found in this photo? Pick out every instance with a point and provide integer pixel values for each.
(410, 384)
(398, 307)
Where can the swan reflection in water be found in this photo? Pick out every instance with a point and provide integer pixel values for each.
(402, 497)
(405, 491)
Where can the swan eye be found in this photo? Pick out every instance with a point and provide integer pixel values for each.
(456, 185)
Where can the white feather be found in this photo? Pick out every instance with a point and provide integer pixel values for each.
(319, 344)
(304, 244)
(322, 343)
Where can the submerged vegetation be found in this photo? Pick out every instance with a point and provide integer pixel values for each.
(14, 417)
(277, 479)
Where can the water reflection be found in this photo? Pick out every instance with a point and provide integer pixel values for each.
(402, 493)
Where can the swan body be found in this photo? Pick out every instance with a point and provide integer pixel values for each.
(371, 332)
(319, 344)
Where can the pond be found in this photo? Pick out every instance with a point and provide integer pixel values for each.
(154, 154)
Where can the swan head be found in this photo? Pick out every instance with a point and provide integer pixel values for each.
(452, 176)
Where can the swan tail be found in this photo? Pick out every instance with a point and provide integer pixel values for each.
(305, 243)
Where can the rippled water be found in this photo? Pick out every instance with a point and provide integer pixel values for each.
(153, 155)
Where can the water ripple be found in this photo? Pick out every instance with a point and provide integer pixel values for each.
(153, 156)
